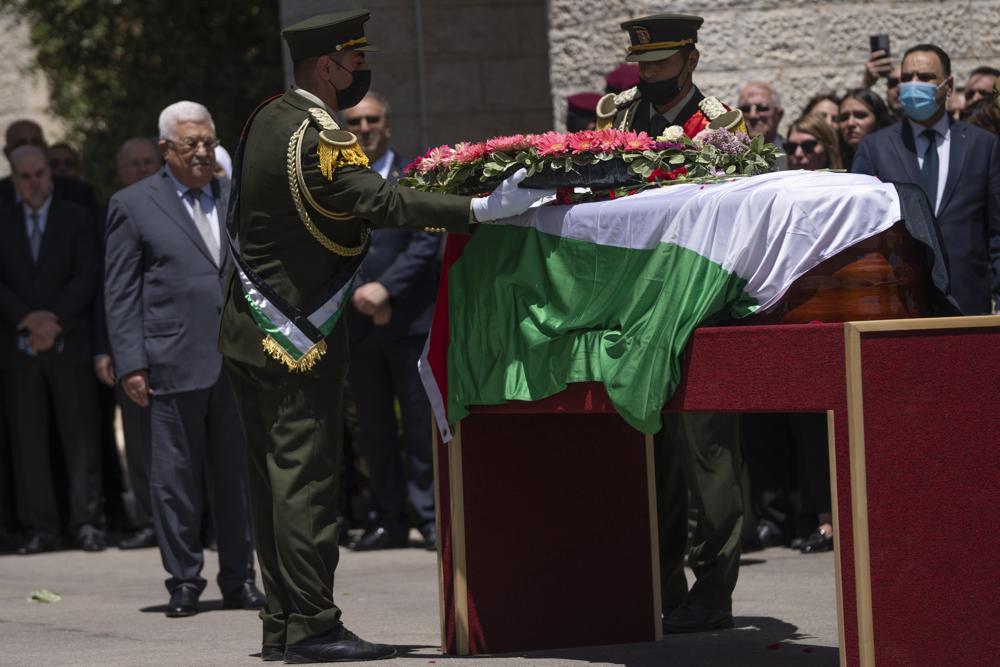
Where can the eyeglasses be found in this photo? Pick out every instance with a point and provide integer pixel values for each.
(191, 144)
(858, 114)
(761, 108)
(356, 122)
(808, 146)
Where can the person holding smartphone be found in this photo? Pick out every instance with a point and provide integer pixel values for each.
(881, 66)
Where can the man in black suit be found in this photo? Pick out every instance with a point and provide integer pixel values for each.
(29, 133)
(164, 271)
(48, 278)
(391, 314)
(957, 166)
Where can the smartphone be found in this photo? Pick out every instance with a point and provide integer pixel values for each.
(879, 43)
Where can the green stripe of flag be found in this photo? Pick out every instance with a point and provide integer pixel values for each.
(531, 312)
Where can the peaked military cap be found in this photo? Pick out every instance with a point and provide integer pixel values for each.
(660, 36)
(327, 33)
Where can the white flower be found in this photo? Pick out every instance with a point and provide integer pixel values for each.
(672, 133)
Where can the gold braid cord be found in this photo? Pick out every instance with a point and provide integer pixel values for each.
(297, 186)
(305, 363)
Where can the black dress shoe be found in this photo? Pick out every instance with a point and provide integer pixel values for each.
(695, 618)
(817, 542)
(381, 537)
(272, 653)
(183, 602)
(429, 533)
(340, 645)
(769, 535)
(141, 539)
(246, 597)
(39, 542)
(92, 540)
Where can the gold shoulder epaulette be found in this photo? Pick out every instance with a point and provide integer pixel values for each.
(626, 97)
(609, 106)
(337, 148)
(711, 107)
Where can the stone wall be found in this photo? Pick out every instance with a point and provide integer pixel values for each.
(802, 46)
(23, 92)
(486, 64)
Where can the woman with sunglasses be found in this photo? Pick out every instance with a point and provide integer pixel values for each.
(861, 113)
(812, 144)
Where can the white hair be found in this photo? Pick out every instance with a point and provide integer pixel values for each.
(183, 112)
(223, 159)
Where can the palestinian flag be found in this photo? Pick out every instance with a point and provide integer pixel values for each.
(611, 291)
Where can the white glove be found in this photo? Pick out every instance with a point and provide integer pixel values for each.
(508, 200)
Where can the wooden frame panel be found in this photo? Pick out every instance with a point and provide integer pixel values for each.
(853, 333)
(460, 586)
(654, 537)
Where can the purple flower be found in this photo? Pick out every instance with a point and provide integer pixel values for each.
(730, 143)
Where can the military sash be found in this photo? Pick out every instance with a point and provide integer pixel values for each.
(294, 336)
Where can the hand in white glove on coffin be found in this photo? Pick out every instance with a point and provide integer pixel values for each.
(508, 200)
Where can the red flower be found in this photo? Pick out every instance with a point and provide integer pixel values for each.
(563, 196)
(663, 175)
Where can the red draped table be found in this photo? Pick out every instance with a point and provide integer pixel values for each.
(547, 520)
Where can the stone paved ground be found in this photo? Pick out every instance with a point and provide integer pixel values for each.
(111, 614)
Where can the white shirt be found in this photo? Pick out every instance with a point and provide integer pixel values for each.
(943, 140)
(384, 164)
(42, 213)
(207, 204)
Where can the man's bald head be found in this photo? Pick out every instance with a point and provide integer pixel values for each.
(31, 175)
(23, 132)
(761, 108)
(138, 158)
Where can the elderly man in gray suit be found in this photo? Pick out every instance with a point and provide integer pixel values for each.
(166, 261)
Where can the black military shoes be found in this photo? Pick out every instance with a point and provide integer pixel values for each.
(340, 645)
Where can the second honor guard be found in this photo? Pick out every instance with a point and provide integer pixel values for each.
(302, 206)
(698, 462)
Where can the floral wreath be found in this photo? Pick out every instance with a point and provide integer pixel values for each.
(572, 160)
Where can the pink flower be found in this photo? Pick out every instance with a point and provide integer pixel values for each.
(442, 156)
(551, 143)
(511, 144)
(586, 141)
(640, 141)
(609, 140)
(467, 152)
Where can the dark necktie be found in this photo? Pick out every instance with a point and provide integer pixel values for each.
(35, 239)
(203, 224)
(657, 124)
(929, 171)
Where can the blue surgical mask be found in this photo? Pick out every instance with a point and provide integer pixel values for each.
(919, 99)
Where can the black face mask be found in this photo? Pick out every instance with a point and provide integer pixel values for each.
(361, 81)
(660, 92)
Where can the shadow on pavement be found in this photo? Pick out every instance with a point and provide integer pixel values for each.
(756, 640)
(203, 606)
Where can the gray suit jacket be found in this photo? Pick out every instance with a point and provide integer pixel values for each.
(163, 292)
(969, 211)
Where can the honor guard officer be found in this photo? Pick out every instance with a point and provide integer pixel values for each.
(303, 201)
(698, 461)
(664, 48)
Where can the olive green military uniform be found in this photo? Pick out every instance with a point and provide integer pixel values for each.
(299, 230)
(698, 461)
